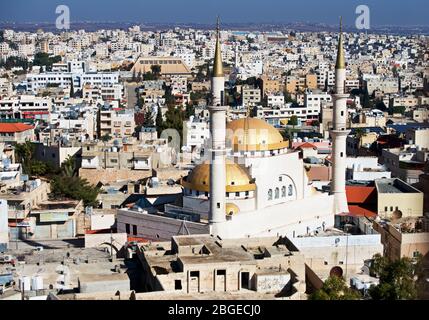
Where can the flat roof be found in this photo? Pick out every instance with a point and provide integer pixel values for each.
(394, 185)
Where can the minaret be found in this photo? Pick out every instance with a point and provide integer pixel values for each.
(218, 135)
(218, 79)
(339, 132)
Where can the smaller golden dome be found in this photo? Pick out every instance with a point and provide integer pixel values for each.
(253, 134)
(231, 209)
(237, 179)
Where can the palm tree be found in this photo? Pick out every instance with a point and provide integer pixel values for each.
(68, 167)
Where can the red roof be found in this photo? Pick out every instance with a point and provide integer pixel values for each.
(137, 239)
(360, 194)
(306, 145)
(14, 127)
(359, 211)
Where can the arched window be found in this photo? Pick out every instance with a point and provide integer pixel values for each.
(270, 194)
(283, 191)
(290, 190)
(277, 194)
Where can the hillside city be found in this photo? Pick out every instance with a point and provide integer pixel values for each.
(213, 164)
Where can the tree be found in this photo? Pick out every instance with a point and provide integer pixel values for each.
(105, 138)
(189, 111)
(68, 167)
(12, 62)
(159, 121)
(75, 188)
(293, 121)
(315, 123)
(398, 109)
(24, 153)
(148, 119)
(335, 288)
(397, 278)
(288, 98)
(71, 88)
(43, 59)
(380, 105)
(156, 70)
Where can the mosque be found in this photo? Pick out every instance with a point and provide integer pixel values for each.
(253, 185)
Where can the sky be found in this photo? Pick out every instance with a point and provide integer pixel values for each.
(382, 12)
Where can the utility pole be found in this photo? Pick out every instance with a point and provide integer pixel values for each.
(16, 228)
(111, 243)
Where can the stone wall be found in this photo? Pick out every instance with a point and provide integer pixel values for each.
(112, 175)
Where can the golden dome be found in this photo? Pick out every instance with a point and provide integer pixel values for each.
(253, 134)
(231, 209)
(237, 179)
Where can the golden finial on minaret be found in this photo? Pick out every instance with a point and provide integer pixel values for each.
(341, 64)
(217, 65)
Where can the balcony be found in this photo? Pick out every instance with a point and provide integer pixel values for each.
(17, 214)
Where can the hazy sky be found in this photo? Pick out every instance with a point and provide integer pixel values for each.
(383, 12)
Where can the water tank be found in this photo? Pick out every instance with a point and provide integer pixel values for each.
(38, 182)
(37, 283)
(25, 283)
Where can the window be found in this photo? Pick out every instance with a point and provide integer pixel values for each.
(218, 205)
(237, 194)
(391, 208)
(177, 284)
(280, 178)
(127, 228)
(194, 274)
(277, 193)
(283, 191)
(134, 230)
(385, 208)
(290, 190)
(221, 272)
(270, 194)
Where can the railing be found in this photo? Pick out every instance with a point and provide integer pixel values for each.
(17, 214)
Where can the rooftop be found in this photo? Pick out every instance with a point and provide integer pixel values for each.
(394, 185)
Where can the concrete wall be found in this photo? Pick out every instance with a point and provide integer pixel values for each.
(322, 253)
(118, 240)
(410, 204)
(102, 221)
(4, 229)
(155, 227)
(112, 175)
(272, 282)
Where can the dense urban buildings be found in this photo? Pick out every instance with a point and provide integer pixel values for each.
(185, 163)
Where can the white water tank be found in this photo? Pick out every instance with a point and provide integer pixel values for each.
(37, 283)
(25, 283)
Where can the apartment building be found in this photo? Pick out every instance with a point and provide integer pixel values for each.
(296, 84)
(65, 80)
(250, 96)
(26, 107)
(115, 122)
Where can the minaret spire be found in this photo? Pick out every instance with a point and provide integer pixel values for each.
(341, 64)
(218, 79)
(217, 66)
